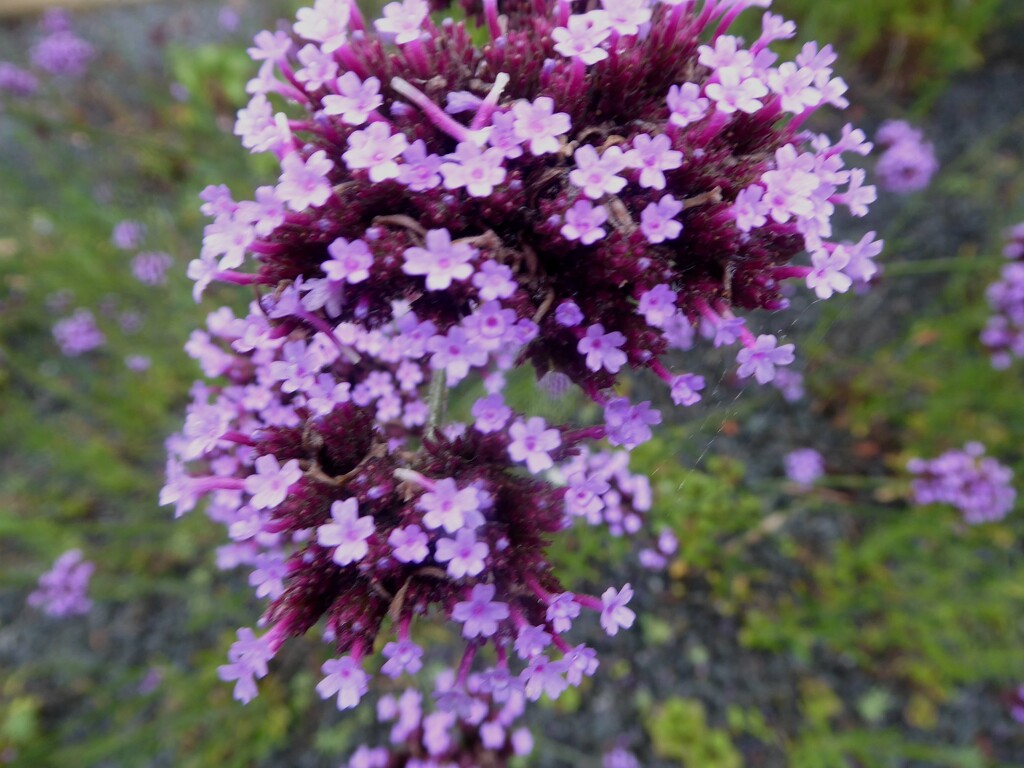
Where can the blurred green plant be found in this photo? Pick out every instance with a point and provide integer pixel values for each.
(915, 44)
(679, 731)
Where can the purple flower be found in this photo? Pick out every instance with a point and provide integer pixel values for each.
(480, 615)
(582, 38)
(531, 641)
(409, 544)
(981, 488)
(248, 659)
(826, 276)
(658, 220)
(62, 591)
(349, 262)
(402, 657)
(17, 81)
(318, 68)
(494, 281)
(539, 124)
(137, 363)
(736, 93)
(686, 104)
(420, 170)
(626, 16)
(583, 222)
(532, 443)
(478, 170)
(749, 208)
(568, 314)
(464, 554)
(491, 414)
(602, 349)
(908, 163)
(78, 334)
(62, 53)
(375, 150)
(1017, 708)
(347, 534)
(151, 268)
(128, 234)
(761, 358)
(502, 135)
(456, 353)
(304, 183)
(598, 176)
(345, 678)
(686, 388)
(441, 260)
(658, 305)
(614, 613)
(450, 507)
(906, 167)
(561, 612)
(356, 99)
(804, 466)
(653, 156)
(270, 46)
(629, 425)
(544, 676)
(388, 272)
(270, 483)
(403, 20)
(619, 758)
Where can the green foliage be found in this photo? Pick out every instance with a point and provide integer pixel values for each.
(81, 440)
(679, 731)
(915, 40)
(924, 602)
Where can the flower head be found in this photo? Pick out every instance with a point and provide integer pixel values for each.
(580, 192)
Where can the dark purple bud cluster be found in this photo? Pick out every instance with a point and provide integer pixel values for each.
(584, 191)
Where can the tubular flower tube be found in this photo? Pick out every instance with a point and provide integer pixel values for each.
(581, 192)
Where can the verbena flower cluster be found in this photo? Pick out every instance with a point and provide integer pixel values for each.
(908, 162)
(1017, 705)
(63, 590)
(581, 191)
(1004, 332)
(78, 333)
(980, 487)
(475, 727)
(620, 758)
(804, 466)
(58, 53)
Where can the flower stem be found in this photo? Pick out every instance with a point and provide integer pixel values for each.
(437, 401)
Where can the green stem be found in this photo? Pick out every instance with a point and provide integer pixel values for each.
(949, 264)
(852, 481)
(437, 401)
